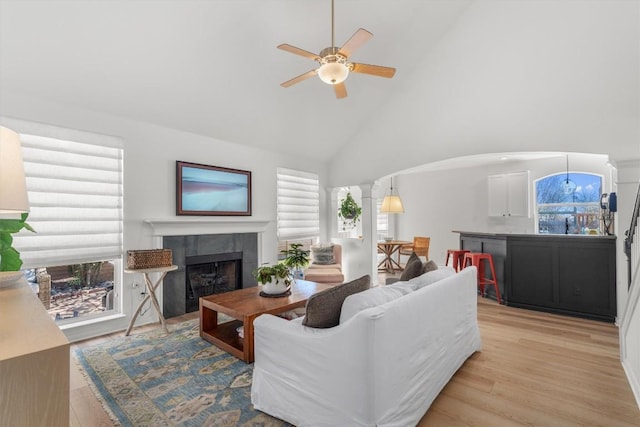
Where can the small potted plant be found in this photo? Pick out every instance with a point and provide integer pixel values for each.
(349, 210)
(275, 279)
(296, 259)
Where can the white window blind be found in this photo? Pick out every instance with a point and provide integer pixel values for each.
(298, 204)
(74, 181)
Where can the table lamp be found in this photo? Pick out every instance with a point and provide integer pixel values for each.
(13, 185)
(13, 190)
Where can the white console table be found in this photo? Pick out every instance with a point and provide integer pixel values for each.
(34, 360)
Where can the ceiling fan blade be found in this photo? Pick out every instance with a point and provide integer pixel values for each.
(298, 51)
(374, 70)
(299, 78)
(358, 38)
(341, 90)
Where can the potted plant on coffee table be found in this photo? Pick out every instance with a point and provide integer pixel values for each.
(296, 259)
(275, 279)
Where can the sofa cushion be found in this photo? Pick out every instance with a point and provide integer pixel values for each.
(324, 275)
(323, 309)
(432, 276)
(413, 268)
(322, 254)
(429, 266)
(373, 297)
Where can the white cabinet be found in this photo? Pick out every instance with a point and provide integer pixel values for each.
(509, 194)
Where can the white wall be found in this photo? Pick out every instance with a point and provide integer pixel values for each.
(149, 178)
(627, 184)
(511, 76)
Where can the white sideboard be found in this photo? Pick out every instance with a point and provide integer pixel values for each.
(34, 361)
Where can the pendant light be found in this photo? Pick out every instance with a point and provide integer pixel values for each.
(568, 186)
(392, 203)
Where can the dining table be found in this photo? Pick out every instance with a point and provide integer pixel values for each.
(389, 248)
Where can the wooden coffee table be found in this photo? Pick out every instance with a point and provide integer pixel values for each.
(245, 305)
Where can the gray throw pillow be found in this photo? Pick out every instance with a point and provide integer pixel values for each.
(323, 309)
(429, 266)
(413, 268)
(322, 255)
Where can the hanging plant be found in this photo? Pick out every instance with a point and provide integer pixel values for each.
(349, 210)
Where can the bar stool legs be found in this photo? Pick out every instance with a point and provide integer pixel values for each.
(476, 259)
(457, 258)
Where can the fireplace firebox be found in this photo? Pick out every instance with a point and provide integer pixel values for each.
(211, 274)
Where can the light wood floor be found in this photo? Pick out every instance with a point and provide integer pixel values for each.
(535, 369)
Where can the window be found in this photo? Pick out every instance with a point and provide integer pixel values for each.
(74, 181)
(298, 208)
(575, 212)
(382, 221)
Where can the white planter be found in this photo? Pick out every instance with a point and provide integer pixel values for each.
(274, 288)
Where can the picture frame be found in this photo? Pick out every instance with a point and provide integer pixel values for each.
(212, 190)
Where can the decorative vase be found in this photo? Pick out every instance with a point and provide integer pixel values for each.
(276, 288)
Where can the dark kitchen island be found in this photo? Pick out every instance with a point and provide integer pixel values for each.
(565, 274)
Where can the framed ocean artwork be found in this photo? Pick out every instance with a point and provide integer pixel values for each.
(212, 190)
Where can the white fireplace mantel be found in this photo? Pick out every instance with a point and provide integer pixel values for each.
(199, 225)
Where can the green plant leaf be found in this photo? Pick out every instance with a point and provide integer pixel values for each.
(10, 257)
(10, 260)
(5, 240)
(11, 225)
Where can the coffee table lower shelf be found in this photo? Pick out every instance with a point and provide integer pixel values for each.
(225, 336)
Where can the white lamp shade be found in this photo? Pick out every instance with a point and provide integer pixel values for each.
(13, 185)
(333, 73)
(392, 204)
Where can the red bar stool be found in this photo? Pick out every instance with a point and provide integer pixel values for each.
(457, 258)
(475, 259)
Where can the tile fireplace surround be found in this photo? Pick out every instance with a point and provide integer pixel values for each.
(173, 288)
(188, 238)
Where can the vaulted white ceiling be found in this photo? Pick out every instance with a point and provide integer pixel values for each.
(212, 67)
(473, 76)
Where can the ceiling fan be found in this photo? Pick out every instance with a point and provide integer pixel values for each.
(334, 62)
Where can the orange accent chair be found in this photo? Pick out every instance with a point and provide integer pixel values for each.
(420, 246)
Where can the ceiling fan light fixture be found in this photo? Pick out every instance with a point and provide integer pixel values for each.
(333, 73)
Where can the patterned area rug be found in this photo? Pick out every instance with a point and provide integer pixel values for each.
(154, 379)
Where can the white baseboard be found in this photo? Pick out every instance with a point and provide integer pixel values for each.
(633, 381)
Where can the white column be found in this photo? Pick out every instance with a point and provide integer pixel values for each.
(369, 231)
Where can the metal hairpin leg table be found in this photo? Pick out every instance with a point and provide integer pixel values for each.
(151, 292)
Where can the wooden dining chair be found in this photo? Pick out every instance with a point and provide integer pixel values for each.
(420, 246)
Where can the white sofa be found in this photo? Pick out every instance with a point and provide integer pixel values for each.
(383, 366)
